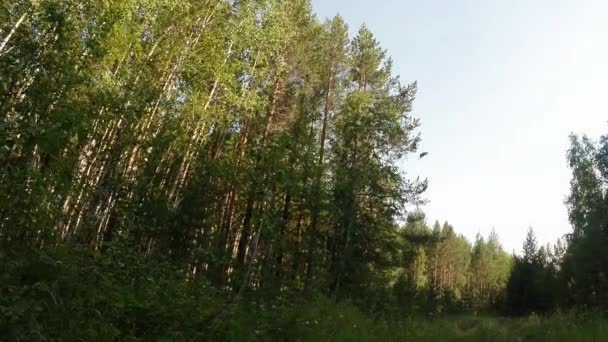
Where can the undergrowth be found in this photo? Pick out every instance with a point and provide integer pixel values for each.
(73, 294)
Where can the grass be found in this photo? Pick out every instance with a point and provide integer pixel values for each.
(470, 328)
(322, 320)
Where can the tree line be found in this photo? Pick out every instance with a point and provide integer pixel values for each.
(572, 273)
(444, 272)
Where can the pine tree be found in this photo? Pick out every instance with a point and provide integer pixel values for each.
(530, 247)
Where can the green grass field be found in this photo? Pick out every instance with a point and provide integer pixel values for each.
(557, 328)
(324, 321)
(469, 328)
(342, 322)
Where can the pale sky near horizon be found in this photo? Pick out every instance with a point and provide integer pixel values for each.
(502, 83)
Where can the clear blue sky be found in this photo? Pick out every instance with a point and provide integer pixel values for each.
(501, 85)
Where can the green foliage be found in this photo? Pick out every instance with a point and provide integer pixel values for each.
(532, 287)
(240, 142)
(585, 262)
(490, 271)
(221, 135)
(247, 151)
(560, 327)
(75, 294)
(441, 272)
(571, 273)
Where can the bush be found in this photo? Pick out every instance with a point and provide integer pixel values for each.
(74, 294)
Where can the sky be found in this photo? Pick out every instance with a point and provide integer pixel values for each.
(502, 84)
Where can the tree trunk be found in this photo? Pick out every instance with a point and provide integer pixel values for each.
(256, 193)
(317, 187)
(10, 34)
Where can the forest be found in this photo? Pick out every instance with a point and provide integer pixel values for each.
(235, 170)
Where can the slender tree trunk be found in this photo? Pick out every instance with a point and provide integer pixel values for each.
(282, 232)
(298, 242)
(255, 193)
(11, 33)
(317, 187)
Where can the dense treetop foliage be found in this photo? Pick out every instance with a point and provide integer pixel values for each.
(161, 160)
